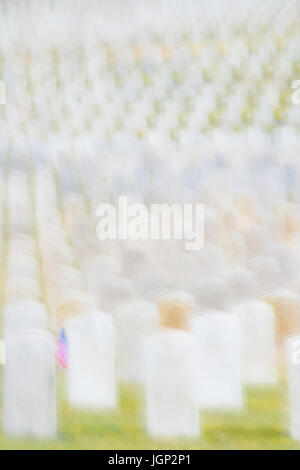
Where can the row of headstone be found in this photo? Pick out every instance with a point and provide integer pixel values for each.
(220, 369)
(182, 372)
(222, 387)
(22, 270)
(39, 71)
(29, 371)
(179, 370)
(217, 382)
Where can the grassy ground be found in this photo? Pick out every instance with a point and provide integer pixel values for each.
(262, 425)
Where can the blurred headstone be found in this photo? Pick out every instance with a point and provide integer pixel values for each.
(113, 291)
(218, 361)
(258, 342)
(24, 315)
(134, 321)
(176, 309)
(171, 385)
(286, 306)
(29, 391)
(292, 350)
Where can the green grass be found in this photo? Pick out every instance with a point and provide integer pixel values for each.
(263, 424)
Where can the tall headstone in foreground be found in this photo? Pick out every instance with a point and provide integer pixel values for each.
(91, 367)
(24, 315)
(218, 360)
(171, 385)
(134, 321)
(258, 342)
(292, 351)
(29, 401)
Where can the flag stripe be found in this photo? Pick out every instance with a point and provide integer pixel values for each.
(62, 349)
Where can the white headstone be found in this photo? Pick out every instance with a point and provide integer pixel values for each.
(171, 385)
(114, 291)
(134, 321)
(21, 288)
(292, 350)
(29, 402)
(91, 366)
(242, 285)
(212, 293)
(218, 360)
(22, 264)
(258, 342)
(99, 265)
(24, 315)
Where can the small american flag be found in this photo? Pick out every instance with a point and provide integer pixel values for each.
(62, 349)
